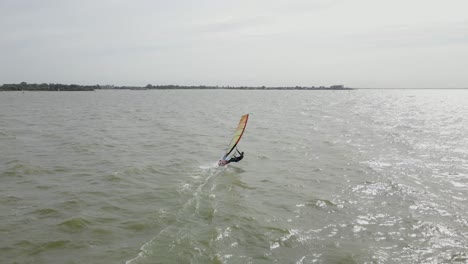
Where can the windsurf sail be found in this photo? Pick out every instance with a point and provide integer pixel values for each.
(237, 136)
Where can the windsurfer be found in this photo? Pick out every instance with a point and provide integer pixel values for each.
(237, 159)
(233, 159)
(228, 154)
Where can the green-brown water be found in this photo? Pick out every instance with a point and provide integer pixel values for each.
(329, 177)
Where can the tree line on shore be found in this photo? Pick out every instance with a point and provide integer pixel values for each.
(23, 86)
(47, 87)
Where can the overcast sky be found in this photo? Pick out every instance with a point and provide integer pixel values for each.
(358, 43)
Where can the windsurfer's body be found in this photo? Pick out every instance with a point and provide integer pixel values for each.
(223, 162)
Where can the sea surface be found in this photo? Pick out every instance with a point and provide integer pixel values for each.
(362, 176)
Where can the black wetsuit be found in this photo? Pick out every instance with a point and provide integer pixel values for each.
(237, 159)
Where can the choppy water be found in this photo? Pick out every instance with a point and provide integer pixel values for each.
(364, 176)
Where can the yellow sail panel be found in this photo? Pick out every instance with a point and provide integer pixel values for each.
(237, 135)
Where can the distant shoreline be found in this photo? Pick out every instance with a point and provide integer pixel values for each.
(74, 87)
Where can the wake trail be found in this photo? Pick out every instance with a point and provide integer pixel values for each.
(189, 209)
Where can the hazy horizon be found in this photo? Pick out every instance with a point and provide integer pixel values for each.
(176, 86)
(360, 44)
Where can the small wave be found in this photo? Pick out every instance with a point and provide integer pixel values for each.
(47, 212)
(10, 199)
(110, 208)
(291, 238)
(320, 204)
(61, 169)
(24, 169)
(377, 165)
(74, 224)
(7, 135)
(113, 177)
(35, 248)
(101, 232)
(459, 184)
(70, 204)
(135, 226)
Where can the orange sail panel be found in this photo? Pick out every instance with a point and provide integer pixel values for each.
(237, 136)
